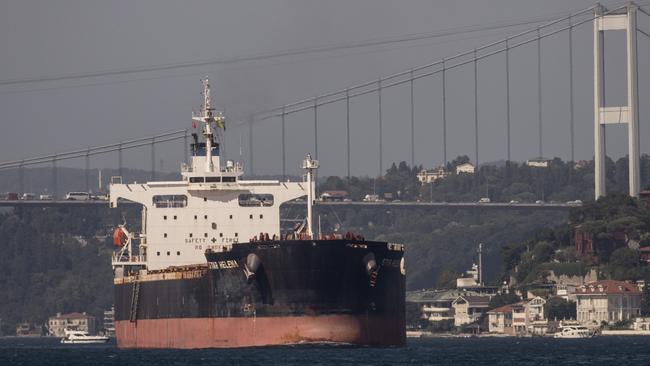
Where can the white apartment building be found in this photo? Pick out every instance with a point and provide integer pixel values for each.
(430, 176)
(607, 301)
(466, 168)
(468, 308)
(78, 321)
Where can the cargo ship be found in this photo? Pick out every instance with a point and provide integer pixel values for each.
(211, 267)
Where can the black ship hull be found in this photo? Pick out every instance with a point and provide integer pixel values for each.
(269, 293)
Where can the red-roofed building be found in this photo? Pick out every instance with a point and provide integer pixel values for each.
(607, 301)
(500, 320)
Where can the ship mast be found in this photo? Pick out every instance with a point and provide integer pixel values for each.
(208, 118)
(310, 166)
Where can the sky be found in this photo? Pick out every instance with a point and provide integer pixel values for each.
(45, 39)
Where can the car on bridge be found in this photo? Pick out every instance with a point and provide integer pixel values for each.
(77, 196)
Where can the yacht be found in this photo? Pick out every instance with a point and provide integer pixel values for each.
(81, 337)
(574, 331)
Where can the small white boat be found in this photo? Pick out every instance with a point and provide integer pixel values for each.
(574, 331)
(81, 337)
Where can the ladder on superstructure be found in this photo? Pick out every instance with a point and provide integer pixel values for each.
(134, 300)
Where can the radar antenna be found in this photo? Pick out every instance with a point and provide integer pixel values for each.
(207, 117)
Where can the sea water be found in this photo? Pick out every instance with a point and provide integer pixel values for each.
(432, 351)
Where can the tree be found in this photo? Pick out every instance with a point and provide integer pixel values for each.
(559, 308)
(542, 252)
(503, 299)
(645, 298)
(446, 280)
(414, 317)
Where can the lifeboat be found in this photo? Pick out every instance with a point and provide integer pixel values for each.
(119, 237)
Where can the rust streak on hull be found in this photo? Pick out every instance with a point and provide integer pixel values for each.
(253, 332)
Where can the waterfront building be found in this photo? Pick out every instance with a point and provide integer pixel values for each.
(436, 305)
(607, 301)
(77, 321)
(469, 308)
(27, 329)
(500, 320)
(521, 318)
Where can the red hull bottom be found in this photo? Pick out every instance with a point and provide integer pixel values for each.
(253, 332)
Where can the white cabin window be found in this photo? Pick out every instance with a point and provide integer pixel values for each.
(165, 201)
(255, 200)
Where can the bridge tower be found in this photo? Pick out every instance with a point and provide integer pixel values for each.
(603, 115)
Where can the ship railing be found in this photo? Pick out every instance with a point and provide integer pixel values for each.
(126, 259)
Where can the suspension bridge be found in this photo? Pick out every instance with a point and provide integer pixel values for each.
(596, 19)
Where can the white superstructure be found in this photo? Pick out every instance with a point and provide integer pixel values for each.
(209, 208)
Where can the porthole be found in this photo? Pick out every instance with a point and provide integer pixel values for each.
(231, 217)
(250, 216)
(214, 226)
(174, 217)
(167, 253)
(261, 216)
(205, 217)
(236, 235)
(165, 217)
(205, 199)
(221, 235)
(158, 254)
(190, 235)
(178, 253)
(165, 235)
(205, 235)
(195, 217)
